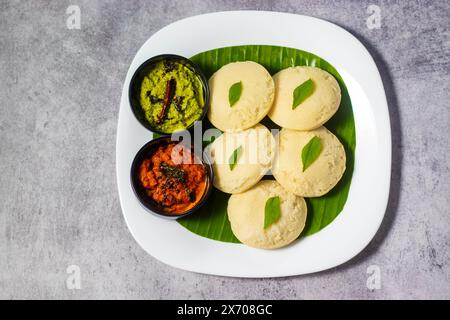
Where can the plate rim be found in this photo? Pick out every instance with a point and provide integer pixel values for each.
(383, 113)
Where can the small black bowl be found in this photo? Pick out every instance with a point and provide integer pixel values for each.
(149, 204)
(143, 70)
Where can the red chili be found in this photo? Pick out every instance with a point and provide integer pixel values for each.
(168, 95)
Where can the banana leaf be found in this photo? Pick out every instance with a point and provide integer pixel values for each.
(211, 220)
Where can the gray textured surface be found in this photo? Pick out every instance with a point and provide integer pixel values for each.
(59, 100)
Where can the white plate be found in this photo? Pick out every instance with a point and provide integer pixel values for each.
(355, 226)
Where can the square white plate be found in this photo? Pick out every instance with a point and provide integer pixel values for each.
(355, 226)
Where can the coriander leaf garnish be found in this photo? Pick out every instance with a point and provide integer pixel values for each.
(232, 161)
(272, 211)
(302, 92)
(311, 151)
(234, 93)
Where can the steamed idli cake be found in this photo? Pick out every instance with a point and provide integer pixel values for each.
(254, 98)
(312, 112)
(241, 159)
(246, 212)
(321, 175)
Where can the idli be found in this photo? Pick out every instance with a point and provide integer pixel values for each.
(241, 95)
(308, 107)
(241, 159)
(321, 175)
(246, 212)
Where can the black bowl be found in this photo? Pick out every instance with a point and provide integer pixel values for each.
(143, 70)
(148, 203)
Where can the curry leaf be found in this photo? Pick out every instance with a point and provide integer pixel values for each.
(302, 92)
(232, 161)
(272, 211)
(311, 151)
(234, 93)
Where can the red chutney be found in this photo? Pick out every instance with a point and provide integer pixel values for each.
(176, 187)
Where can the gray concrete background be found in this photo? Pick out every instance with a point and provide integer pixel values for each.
(59, 101)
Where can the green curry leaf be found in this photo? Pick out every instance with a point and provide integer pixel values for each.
(272, 211)
(302, 92)
(234, 93)
(311, 151)
(232, 161)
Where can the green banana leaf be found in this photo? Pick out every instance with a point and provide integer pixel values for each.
(211, 220)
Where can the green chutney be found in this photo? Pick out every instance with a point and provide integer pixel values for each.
(177, 110)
